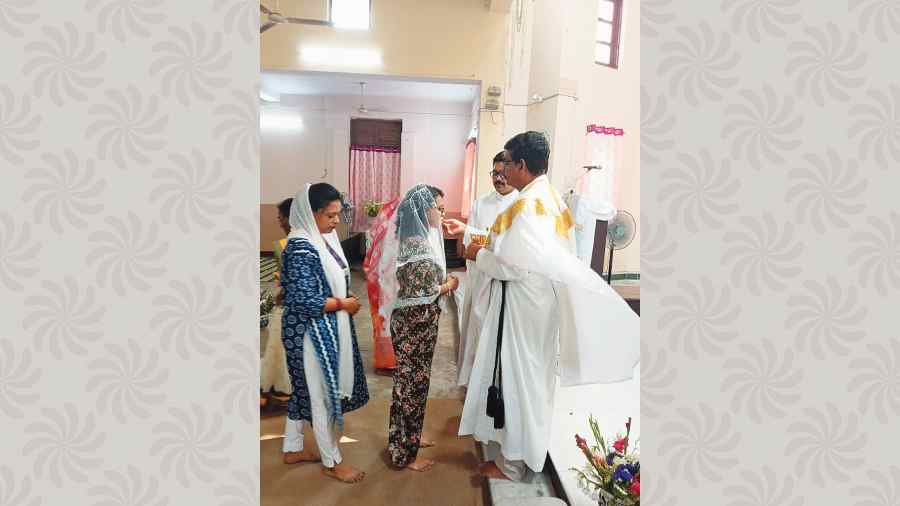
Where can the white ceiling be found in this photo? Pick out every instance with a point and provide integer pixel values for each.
(326, 84)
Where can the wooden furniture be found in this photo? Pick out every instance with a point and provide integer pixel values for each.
(631, 293)
(453, 247)
(598, 254)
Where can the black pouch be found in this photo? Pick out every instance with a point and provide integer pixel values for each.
(495, 408)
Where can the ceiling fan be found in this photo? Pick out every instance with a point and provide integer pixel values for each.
(362, 109)
(275, 18)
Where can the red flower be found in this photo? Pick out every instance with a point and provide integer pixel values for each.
(620, 444)
(581, 442)
(635, 488)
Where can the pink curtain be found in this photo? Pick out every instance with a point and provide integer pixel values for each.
(468, 178)
(375, 176)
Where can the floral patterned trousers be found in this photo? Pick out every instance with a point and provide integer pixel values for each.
(414, 332)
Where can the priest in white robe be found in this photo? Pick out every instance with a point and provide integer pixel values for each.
(478, 286)
(560, 318)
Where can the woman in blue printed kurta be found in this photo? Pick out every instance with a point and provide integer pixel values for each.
(318, 333)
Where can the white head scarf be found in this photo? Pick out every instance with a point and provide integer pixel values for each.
(303, 225)
(409, 223)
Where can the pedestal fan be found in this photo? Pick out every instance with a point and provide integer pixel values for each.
(619, 235)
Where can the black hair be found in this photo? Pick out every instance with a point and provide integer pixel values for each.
(435, 191)
(498, 158)
(533, 148)
(284, 207)
(322, 194)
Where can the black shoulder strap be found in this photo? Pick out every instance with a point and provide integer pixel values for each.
(497, 380)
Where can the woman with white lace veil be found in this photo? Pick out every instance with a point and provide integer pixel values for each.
(414, 271)
(318, 333)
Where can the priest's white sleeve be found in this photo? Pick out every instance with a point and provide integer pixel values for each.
(489, 264)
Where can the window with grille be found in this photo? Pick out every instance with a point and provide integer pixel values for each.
(609, 32)
(376, 132)
(351, 13)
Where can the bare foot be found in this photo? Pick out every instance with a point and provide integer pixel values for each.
(344, 472)
(490, 470)
(420, 464)
(426, 443)
(297, 457)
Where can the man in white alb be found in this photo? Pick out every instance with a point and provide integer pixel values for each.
(557, 309)
(478, 287)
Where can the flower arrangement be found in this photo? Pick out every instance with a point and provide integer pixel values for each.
(266, 303)
(613, 472)
(371, 208)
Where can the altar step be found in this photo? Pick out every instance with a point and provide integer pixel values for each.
(536, 489)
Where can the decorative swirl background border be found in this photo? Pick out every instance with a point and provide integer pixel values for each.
(128, 252)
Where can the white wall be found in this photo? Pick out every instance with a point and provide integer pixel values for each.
(444, 39)
(610, 97)
(558, 43)
(432, 145)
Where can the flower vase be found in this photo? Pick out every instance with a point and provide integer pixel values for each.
(604, 498)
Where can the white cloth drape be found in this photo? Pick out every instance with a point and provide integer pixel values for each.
(303, 225)
(274, 371)
(556, 306)
(599, 334)
(586, 210)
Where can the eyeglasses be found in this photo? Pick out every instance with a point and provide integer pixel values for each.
(498, 174)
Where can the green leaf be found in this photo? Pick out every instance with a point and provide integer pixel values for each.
(595, 429)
